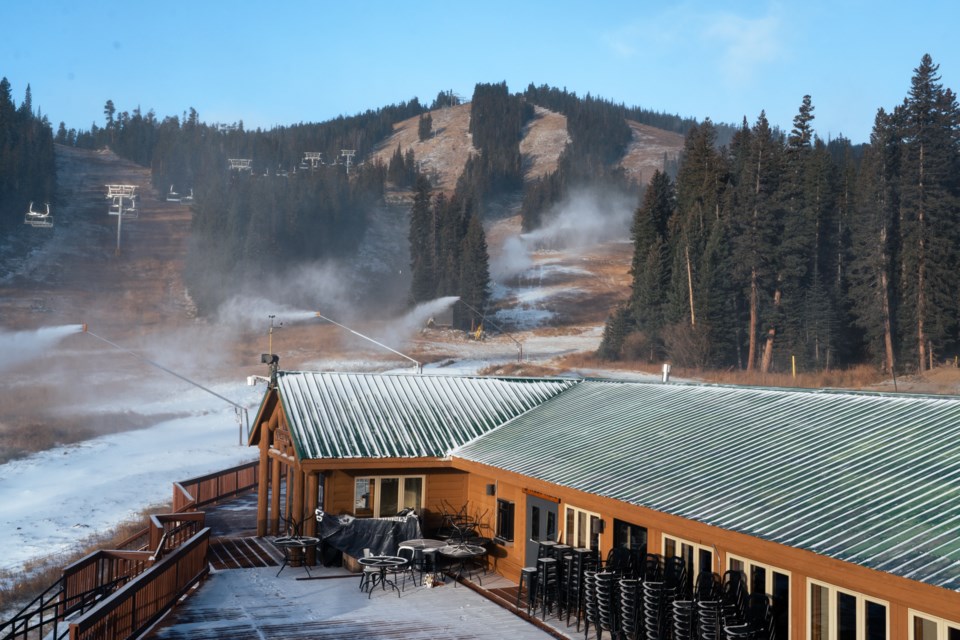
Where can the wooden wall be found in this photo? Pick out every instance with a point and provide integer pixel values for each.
(901, 594)
(443, 488)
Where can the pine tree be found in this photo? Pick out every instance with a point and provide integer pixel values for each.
(699, 188)
(796, 251)
(475, 267)
(874, 232)
(650, 266)
(425, 127)
(756, 227)
(930, 195)
(396, 170)
(424, 284)
(614, 333)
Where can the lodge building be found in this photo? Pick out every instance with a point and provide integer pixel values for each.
(844, 506)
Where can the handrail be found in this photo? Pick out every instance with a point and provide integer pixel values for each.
(90, 578)
(171, 526)
(142, 601)
(82, 584)
(20, 625)
(190, 494)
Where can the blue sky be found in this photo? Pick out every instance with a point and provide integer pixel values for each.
(284, 62)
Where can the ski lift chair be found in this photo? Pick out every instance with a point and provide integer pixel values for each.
(38, 218)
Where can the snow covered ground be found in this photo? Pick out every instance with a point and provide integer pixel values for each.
(54, 501)
(50, 502)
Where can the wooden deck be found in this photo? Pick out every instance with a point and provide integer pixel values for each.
(245, 598)
(242, 553)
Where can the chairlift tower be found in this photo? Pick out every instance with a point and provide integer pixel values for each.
(240, 164)
(122, 196)
(314, 158)
(348, 154)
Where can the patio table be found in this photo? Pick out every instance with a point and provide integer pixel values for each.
(426, 547)
(382, 563)
(294, 550)
(462, 553)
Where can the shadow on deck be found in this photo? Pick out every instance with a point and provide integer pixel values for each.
(245, 598)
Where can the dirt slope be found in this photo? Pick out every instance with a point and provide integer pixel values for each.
(73, 274)
(443, 155)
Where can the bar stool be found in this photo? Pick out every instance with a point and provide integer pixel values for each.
(528, 577)
(546, 584)
(581, 560)
(560, 553)
(545, 548)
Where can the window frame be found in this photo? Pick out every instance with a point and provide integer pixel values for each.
(506, 522)
(943, 625)
(832, 592)
(401, 491)
(571, 537)
(768, 586)
(697, 548)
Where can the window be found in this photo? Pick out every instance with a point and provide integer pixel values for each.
(763, 578)
(839, 614)
(927, 627)
(381, 497)
(582, 528)
(697, 557)
(505, 511)
(632, 537)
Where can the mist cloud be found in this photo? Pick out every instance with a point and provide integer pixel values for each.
(588, 217)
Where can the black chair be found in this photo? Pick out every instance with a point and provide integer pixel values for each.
(653, 567)
(707, 586)
(409, 555)
(368, 573)
(619, 561)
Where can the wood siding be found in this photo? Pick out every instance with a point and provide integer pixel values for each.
(900, 593)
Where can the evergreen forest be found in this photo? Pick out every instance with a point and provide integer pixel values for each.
(27, 165)
(756, 249)
(783, 250)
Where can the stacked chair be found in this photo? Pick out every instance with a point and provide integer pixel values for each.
(631, 604)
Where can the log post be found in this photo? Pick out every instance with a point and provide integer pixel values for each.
(275, 497)
(310, 520)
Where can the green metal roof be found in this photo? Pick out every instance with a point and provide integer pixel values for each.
(337, 415)
(869, 479)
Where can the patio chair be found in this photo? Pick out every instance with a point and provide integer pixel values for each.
(409, 555)
(366, 576)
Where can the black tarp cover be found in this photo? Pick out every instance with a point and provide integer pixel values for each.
(352, 535)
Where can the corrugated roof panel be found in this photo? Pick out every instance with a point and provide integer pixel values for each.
(865, 478)
(335, 415)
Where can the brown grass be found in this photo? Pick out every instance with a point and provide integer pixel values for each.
(21, 435)
(520, 369)
(856, 377)
(18, 588)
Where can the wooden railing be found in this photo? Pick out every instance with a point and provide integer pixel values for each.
(189, 495)
(81, 585)
(144, 599)
(99, 569)
(90, 579)
(170, 530)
